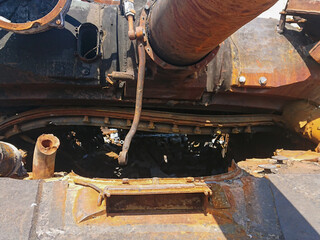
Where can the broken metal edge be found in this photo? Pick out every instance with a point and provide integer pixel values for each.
(234, 172)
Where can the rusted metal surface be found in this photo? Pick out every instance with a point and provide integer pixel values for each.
(278, 66)
(182, 33)
(123, 158)
(163, 122)
(142, 196)
(158, 195)
(315, 52)
(303, 6)
(10, 159)
(256, 212)
(44, 156)
(308, 156)
(303, 118)
(245, 207)
(55, 18)
(163, 64)
(254, 72)
(130, 197)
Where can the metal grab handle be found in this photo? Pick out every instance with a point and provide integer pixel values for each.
(123, 158)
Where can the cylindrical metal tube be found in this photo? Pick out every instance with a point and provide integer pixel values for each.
(123, 156)
(184, 32)
(44, 156)
(10, 159)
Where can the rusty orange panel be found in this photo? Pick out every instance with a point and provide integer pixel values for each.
(315, 52)
(303, 6)
(258, 51)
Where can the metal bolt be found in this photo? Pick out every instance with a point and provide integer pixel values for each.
(125, 181)
(190, 179)
(58, 21)
(85, 71)
(263, 81)
(242, 79)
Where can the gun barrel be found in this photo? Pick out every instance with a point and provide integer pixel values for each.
(184, 32)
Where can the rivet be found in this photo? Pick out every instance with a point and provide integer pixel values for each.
(190, 179)
(242, 79)
(263, 81)
(125, 181)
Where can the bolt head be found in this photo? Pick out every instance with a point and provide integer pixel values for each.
(263, 81)
(242, 79)
(85, 71)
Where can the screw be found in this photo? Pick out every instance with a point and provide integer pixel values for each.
(263, 81)
(242, 79)
(58, 21)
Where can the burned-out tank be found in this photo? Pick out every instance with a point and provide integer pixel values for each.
(159, 99)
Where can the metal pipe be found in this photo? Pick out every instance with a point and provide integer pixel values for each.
(183, 32)
(44, 156)
(131, 31)
(10, 159)
(123, 158)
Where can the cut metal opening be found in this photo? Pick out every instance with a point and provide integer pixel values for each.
(88, 42)
(156, 203)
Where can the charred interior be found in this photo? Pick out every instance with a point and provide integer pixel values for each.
(93, 151)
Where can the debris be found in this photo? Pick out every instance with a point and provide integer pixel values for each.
(280, 159)
(112, 155)
(309, 156)
(268, 168)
